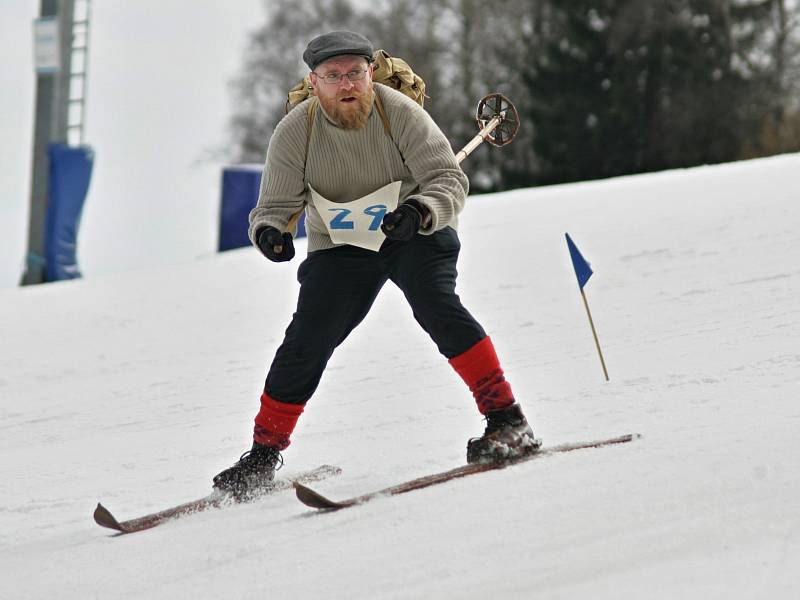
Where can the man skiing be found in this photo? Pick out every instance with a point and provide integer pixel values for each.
(382, 192)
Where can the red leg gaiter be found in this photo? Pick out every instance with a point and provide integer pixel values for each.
(480, 369)
(275, 422)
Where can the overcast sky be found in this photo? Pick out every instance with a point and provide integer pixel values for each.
(158, 102)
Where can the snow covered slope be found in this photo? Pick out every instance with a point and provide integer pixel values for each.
(135, 389)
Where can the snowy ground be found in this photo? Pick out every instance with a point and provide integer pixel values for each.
(135, 389)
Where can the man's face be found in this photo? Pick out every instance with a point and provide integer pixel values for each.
(347, 102)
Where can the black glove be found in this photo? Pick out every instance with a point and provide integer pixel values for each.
(404, 222)
(276, 246)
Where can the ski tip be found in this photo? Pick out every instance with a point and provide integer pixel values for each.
(628, 437)
(104, 518)
(314, 499)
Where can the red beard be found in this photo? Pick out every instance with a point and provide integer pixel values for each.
(353, 114)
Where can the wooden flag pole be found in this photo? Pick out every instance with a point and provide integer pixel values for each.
(594, 333)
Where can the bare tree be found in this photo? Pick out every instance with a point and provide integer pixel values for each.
(273, 65)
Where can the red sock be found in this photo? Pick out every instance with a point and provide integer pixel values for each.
(275, 422)
(480, 369)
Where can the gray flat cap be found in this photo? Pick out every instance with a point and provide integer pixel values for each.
(336, 43)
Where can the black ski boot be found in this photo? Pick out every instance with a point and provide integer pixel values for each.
(507, 435)
(254, 472)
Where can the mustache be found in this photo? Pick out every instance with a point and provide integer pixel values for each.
(354, 93)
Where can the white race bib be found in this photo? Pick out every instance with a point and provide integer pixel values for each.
(358, 223)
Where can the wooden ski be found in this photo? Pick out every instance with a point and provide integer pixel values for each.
(314, 499)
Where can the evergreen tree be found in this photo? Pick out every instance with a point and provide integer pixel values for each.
(627, 86)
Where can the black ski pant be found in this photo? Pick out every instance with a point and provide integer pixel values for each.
(339, 285)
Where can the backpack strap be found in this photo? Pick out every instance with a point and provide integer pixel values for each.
(312, 115)
(291, 227)
(382, 113)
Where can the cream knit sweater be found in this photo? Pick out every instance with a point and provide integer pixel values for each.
(344, 165)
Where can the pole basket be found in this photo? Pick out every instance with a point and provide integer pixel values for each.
(498, 106)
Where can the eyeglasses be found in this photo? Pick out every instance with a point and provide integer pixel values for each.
(336, 78)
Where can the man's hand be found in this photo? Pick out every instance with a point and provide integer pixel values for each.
(404, 222)
(276, 246)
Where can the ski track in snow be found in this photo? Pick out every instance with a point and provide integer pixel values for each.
(135, 389)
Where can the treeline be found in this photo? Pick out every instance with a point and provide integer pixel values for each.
(603, 87)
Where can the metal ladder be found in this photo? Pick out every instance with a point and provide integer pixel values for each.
(78, 73)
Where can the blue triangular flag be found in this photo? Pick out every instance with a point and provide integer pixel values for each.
(583, 270)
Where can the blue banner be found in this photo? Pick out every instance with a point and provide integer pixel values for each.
(240, 186)
(70, 173)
